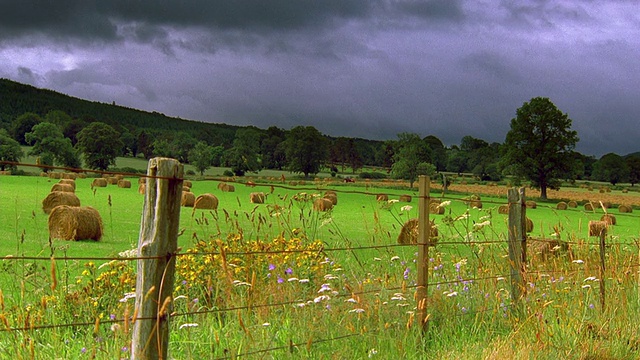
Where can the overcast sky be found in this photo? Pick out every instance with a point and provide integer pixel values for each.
(356, 68)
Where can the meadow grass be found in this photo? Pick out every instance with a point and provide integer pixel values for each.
(296, 301)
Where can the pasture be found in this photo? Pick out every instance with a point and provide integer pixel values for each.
(302, 283)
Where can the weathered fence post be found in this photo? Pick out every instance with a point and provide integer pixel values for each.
(517, 242)
(424, 234)
(157, 246)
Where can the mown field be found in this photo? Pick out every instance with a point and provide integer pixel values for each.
(333, 285)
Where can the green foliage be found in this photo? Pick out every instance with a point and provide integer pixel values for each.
(51, 146)
(306, 150)
(540, 143)
(611, 168)
(633, 164)
(411, 158)
(23, 124)
(10, 150)
(100, 145)
(243, 156)
(201, 156)
(372, 175)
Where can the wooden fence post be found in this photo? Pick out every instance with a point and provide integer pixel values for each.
(517, 243)
(424, 234)
(603, 235)
(157, 244)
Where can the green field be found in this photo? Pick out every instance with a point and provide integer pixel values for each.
(369, 308)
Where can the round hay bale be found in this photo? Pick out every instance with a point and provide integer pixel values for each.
(206, 201)
(125, 184)
(546, 247)
(331, 192)
(113, 180)
(625, 208)
(475, 204)
(435, 208)
(529, 225)
(142, 188)
(227, 188)
(75, 223)
(293, 183)
(405, 198)
(409, 233)
(55, 175)
(68, 182)
(588, 206)
(257, 197)
(530, 204)
(82, 176)
(561, 205)
(99, 182)
(187, 183)
(606, 204)
(322, 204)
(609, 219)
(63, 188)
(57, 198)
(624, 191)
(188, 199)
(221, 185)
(186, 189)
(597, 227)
(572, 204)
(142, 180)
(69, 176)
(333, 197)
(503, 209)
(382, 197)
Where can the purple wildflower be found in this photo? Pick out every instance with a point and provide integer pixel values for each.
(272, 267)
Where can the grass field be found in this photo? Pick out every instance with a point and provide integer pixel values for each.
(368, 310)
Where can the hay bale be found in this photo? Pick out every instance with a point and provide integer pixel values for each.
(333, 197)
(142, 188)
(63, 188)
(529, 225)
(530, 204)
(187, 183)
(561, 205)
(186, 189)
(55, 175)
(597, 227)
(609, 219)
(75, 223)
(99, 182)
(588, 206)
(606, 204)
(405, 198)
(475, 204)
(624, 191)
(69, 176)
(226, 187)
(503, 209)
(250, 184)
(221, 185)
(435, 208)
(257, 197)
(572, 204)
(544, 248)
(142, 180)
(113, 180)
(206, 201)
(57, 198)
(125, 184)
(409, 233)
(382, 197)
(68, 182)
(188, 199)
(322, 204)
(625, 209)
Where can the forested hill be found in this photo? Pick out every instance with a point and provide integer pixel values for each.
(17, 99)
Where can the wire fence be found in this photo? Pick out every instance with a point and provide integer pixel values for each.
(460, 243)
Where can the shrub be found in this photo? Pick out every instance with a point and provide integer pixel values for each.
(372, 175)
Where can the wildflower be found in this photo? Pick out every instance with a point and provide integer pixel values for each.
(453, 293)
(280, 280)
(406, 273)
(303, 281)
(372, 352)
(324, 287)
(587, 286)
(398, 296)
(352, 300)
(321, 298)
(330, 277)
(578, 261)
(289, 271)
(83, 350)
(115, 327)
(406, 208)
(479, 226)
(464, 310)
(112, 316)
(188, 325)
(124, 349)
(591, 278)
(591, 306)
(393, 201)
(272, 267)
(292, 279)
(395, 258)
(266, 324)
(357, 311)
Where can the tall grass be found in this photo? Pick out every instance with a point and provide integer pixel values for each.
(263, 281)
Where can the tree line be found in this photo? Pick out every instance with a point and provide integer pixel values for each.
(539, 148)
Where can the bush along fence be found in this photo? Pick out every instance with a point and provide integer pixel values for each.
(159, 287)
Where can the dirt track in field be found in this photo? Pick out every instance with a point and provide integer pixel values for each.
(579, 195)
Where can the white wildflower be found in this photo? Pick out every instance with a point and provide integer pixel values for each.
(377, 259)
(452, 294)
(188, 325)
(395, 258)
(578, 261)
(266, 324)
(303, 281)
(292, 279)
(587, 286)
(357, 311)
(352, 300)
(240, 283)
(330, 277)
(324, 287)
(591, 278)
(406, 208)
(393, 201)
(321, 298)
(128, 296)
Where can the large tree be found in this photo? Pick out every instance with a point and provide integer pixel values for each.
(306, 150)
(201, 156)
(23, 124)
(243, 156)
(612, 168)
(633, 163)
(100, 144)
(411, 158)
(10, 150)
(51, 146)
(540, 143)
